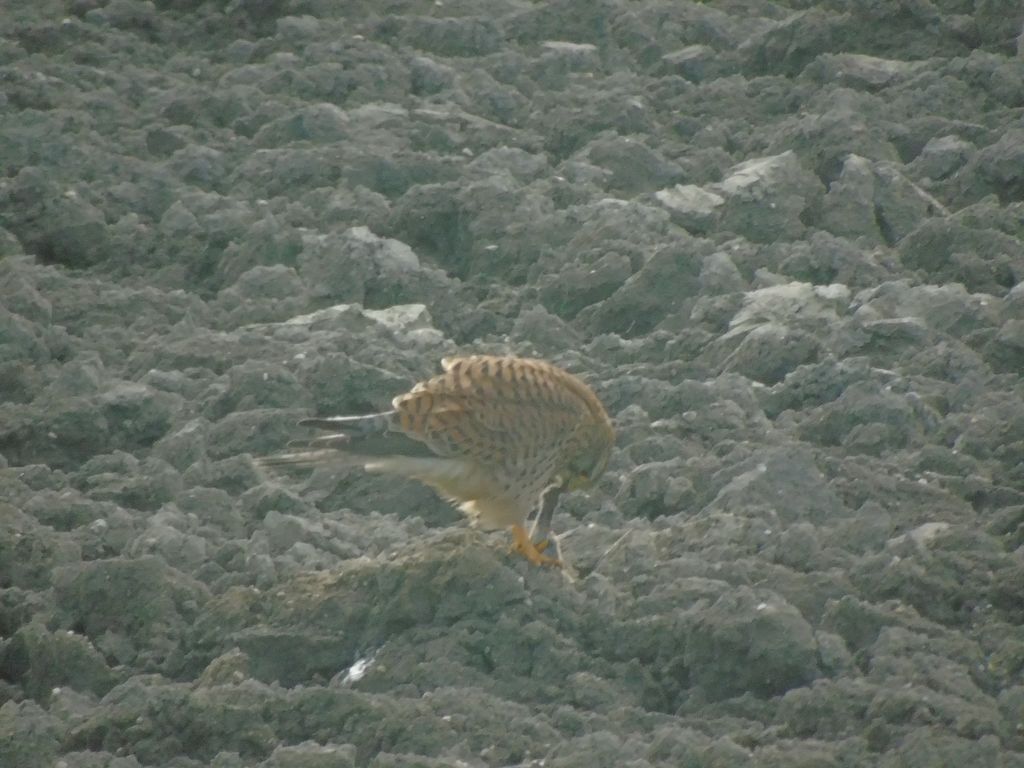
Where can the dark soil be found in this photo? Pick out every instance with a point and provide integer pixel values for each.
(784, 241)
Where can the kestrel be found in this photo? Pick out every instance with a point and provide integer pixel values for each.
(500, 436)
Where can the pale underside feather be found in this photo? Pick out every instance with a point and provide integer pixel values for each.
(461, 481)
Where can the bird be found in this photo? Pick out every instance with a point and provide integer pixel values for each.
(500, 436)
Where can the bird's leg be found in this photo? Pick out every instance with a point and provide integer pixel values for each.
(523, 544)
(540, 531)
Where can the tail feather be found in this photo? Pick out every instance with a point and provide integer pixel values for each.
(388, 444)
(353, 426)
(355, 440)
(338, 442)
(307, 459)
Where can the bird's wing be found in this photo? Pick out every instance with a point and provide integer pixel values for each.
(489, 424)
(444, 422)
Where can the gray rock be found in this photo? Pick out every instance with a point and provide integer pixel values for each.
(718, 274)
(942, 157)
(765, 197)
(19, 292)
(578, 286)
(521, 165)
(922, 744)
(200, 166)
(247, 431)
(781, 484)
(543, 331)
(266, 243)
(859, 71)
(948, 251)
(694, 209)
(748, 641)
(310, 754)
(558, 58)
(251, 385)
(779, 328)
(1006, 351)
(41, 661)
(634, 167)
(901, 205)
(336, 267)
(21, 339)
(697, 63)
(827, 707)
(9, 245)
(29, 736)
(297, 28)
(135, 485)
(430, 76)
(841, 122)
(178, 548)
(948, 308)
(768, 352)
(823, 259)
(138, 415)
(656, 489)
(66, 509)
(263, 294)
(211, 507)
(55, 225)
(996, 169)
(179, 222)
(875, 201)
(316, 124)
(462, 36)
(788, 45)
(184, 447)
(863, 405)
(152, 615)
(358, 266)
(665, 284)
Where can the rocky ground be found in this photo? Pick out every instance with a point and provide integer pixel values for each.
(783, 240)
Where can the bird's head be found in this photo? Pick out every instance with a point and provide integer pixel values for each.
(589, 461)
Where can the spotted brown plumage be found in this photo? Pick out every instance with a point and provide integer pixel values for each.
(491, 433)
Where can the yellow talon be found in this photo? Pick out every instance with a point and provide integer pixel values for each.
(522, 544)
